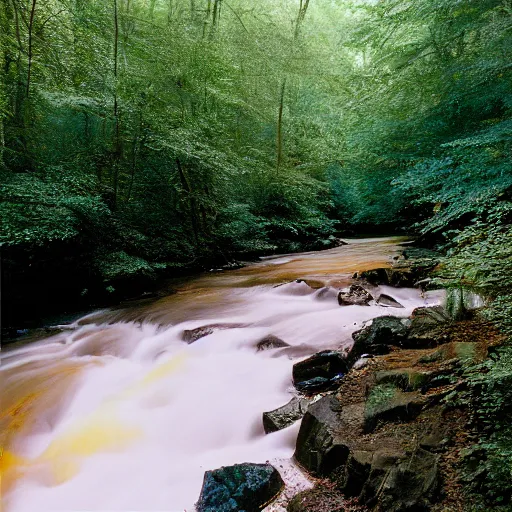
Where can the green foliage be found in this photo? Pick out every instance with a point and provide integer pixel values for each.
(118, 265)
(53, 204)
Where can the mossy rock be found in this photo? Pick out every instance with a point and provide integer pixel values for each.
(389, 404)
(406, 379)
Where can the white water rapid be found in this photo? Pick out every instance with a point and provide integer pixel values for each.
(118, 413)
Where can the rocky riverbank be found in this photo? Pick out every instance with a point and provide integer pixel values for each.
(382, 428)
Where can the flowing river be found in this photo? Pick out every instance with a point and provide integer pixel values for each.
(119, 413)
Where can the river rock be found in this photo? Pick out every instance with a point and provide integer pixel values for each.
(270, 342)
(388, 301)
(320, 372)
(318, 499)
(383, 461)
(191, 335)
(411, 484)
(376, 336)
(356, 472)
(285, 416)
(356, 296)
(390, 276)
(242, 487)
(320, 446)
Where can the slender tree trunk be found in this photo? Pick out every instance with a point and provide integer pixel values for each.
(304, 4)
(116, 142)
(215, 16)
(135, 151)
(2, 143)
(30, 44)
(279, 141)
(191, 201)
(303, 7)
(207, 16)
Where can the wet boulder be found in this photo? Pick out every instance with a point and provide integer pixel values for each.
(321, 448)
(376, 336)
(320, 372)
(242, 487)
(355, 296)
(285, 416)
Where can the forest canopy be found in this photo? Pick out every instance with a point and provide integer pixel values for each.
(143, 136)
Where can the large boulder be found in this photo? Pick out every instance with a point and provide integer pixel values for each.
(285, 416)
(239, 488)
(321, 447)
(391, 480)
(320, 372)
(411, 485)
(377, 335)
(355, 296)
(318, 499)
(383, 461)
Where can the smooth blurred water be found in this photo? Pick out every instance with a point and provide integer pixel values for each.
(119, 413)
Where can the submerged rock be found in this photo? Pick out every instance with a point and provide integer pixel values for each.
(320, 372)
(270, 342)
(191, 335)
(356, 296)
(326, 293)
(285, 416)
(242, 487)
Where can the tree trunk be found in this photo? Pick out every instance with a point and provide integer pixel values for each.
(300, 17)
(137, 142)
(279, 141)
(215, 17)
(116, 141)
(191, 200)
(30, 44)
